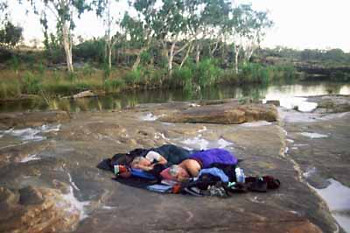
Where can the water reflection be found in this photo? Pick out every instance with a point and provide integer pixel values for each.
(284, 93)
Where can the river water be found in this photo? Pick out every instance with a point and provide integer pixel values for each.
(288, 94)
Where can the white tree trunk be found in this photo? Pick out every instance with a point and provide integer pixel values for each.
(110, 56)
(137, 62)
(171, 57)
(212, 51)
(237, 49)
(67, 44)
(249, 53)
(198, 53)
(186, 56)
(143, 49)
(108, 36)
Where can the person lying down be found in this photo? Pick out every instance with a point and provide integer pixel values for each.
(144, 163)
(200, 170)
(205, 159)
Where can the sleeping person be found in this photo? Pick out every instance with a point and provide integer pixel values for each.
(145, 163)
(200, 160)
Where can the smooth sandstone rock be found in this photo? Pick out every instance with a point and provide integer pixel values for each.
(32, 119)
(229, 113)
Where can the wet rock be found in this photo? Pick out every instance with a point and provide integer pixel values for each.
(20, 152)
(274, 102)
(38, 210)
(229, 113)
(332, 103)
(30, 196)
(31, 119)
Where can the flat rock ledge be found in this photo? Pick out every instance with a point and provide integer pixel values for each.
(226, 113)
(32, 119)
(331, 103)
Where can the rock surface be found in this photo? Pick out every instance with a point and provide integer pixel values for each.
(63, 191)
(332, 104)
(36, 210)
(31, 119)
(227, 113)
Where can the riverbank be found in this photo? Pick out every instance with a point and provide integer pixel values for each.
(57, 164)
(55, 82)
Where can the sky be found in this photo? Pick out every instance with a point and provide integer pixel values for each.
(298, 24)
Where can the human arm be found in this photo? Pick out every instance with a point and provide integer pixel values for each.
(154, 156)
(162, 160)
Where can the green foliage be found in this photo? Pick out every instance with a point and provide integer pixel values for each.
(334, 55)
(31, 83)
(114, 85)
(340, 76)
(14, 63)
(71, 76)
(9, 89)
(207, 72)
(106, 71)
(254, 73)
(87, 69)
(10, 35)
(41, 68)
(90, 50)
(182, 77)
(190, 76)
(145, 57)
(284, 72)
(133, 77)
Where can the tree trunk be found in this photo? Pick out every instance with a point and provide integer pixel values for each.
(212, 51)
(237, 49)
(138, 58)
(249, 54)
(67, 44)
(171, 58)
(137, 62)
(109, 56)
(186, 56)
(198, 53)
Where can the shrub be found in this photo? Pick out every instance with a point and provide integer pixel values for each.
(113, 85)
(254, 73)
(87, 69)
(340, 76)
(31, 83)
(181, 77)
(90, 50)
(14, 63)
(9, 89)
(207, 72)
(133, 77)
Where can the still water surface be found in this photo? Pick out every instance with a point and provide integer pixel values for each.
(288, 95)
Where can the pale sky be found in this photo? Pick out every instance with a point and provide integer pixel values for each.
(299, 24)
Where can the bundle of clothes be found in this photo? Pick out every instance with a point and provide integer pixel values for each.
(172, 169)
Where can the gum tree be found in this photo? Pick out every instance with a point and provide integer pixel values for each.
(141, 29)
(245, 30)
(174, 20)
(10, 35)
(258, 25)
(107, 10)
(214, 17)
(64, 12)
